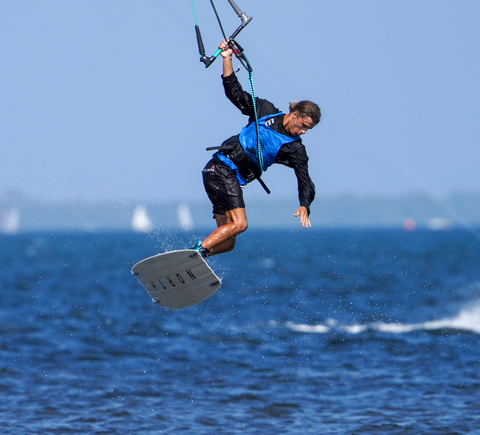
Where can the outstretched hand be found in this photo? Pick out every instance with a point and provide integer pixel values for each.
(303, 213)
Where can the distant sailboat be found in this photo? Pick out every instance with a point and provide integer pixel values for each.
(10, 221)
(184, 216)
(439, 224)
(140, 220)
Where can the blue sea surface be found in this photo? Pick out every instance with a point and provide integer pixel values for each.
(312, 332)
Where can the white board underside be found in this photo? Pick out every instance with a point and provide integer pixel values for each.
(177, 279)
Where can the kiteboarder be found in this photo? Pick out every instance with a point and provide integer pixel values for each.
(243, 158)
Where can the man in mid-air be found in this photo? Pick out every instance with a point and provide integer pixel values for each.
(237, 161)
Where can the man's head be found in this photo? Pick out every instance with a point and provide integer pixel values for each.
(303, 116)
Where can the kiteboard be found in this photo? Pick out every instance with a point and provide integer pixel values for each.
(177, 279)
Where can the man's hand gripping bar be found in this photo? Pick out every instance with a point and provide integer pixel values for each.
(201, 49)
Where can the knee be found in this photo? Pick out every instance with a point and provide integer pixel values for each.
(237, 222)
(241, 226)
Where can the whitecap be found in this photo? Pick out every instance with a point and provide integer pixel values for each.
(307, 328)
(468, 319)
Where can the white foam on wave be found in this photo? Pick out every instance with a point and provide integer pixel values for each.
(307, 328)
(467, 319)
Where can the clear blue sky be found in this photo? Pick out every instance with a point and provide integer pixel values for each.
(107, 99)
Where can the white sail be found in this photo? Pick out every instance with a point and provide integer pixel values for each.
(140, 220)
(10, 221)
(184, 216)
(439, 224)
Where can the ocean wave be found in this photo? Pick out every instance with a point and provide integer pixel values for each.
(467, 319)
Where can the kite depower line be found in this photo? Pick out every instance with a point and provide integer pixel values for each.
(240, 54)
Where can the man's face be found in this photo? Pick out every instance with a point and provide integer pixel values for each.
(299, 126)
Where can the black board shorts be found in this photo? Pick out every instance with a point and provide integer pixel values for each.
(222, 187)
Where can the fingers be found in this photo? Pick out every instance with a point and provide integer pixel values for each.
(226, 50)
(304, 219)
(306, 223)
(224, 45)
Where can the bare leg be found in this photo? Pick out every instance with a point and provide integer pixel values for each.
(230, 225)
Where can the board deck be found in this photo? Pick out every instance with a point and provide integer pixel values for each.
(177, 279)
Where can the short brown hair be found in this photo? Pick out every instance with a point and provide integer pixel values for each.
(306, 109)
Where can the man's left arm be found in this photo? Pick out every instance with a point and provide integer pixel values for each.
(295, 156)
(306, 194)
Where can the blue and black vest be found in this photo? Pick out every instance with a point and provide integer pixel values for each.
(271, 142)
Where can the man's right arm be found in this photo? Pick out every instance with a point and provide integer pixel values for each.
(235, 93)
(227, 65)
(243, 100)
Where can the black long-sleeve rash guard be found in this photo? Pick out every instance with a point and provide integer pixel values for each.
(293, 154)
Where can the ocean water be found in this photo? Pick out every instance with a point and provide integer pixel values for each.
(312, 332)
